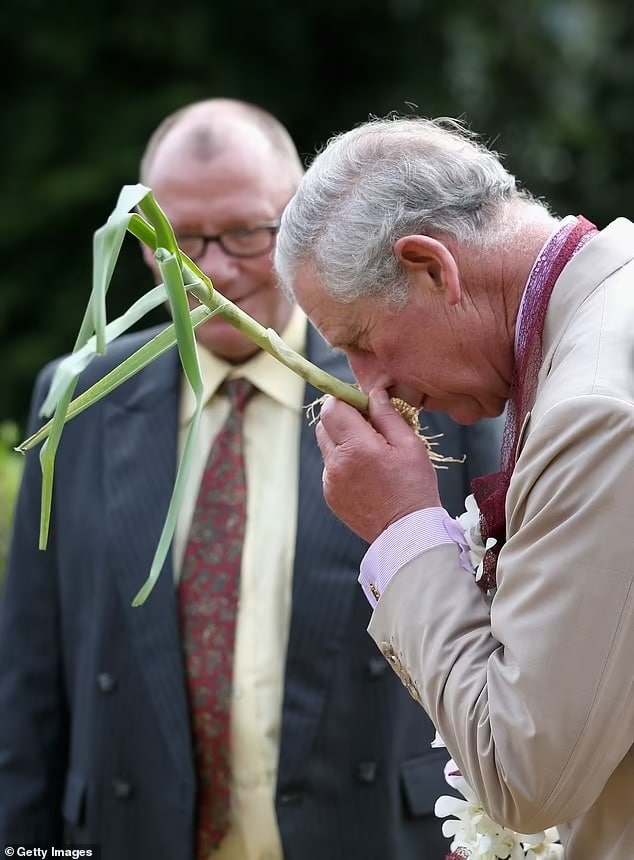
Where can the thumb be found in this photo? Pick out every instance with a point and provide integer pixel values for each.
(387, 420)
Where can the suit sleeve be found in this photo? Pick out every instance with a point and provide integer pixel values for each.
(34, 722)
(534, 700)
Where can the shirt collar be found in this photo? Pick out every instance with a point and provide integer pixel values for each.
(265, 372)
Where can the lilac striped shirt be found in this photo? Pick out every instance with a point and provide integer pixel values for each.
(404, 540)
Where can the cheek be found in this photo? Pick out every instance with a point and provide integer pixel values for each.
(268, 296)
(261, 274)
(401, 367)
(265, 301)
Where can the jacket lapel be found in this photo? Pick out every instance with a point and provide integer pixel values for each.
(140, 468)
(324, 584)
(600, 257)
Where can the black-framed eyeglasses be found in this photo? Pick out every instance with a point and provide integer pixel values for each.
(236, 243)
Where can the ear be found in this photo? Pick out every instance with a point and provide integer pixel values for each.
(428, 258)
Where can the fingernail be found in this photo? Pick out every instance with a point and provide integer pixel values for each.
(380, 396)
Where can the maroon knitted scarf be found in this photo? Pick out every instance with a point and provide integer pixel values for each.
(490, 490)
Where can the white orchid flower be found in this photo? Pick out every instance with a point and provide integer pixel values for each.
(469, 522)
(543, 846)
(502, 844)
(460, 828)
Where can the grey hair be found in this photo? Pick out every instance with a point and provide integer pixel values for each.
(385, 179)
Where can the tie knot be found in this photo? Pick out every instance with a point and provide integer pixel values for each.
(238, 391)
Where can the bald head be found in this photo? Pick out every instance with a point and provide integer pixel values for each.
(206, 129)
(223, 171)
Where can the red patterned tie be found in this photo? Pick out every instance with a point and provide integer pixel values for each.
(209, 590)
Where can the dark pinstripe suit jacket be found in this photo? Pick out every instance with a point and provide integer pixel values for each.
(94, 731)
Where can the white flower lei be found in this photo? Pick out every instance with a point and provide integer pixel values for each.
(473, 833)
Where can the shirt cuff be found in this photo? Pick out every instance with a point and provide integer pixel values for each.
(401, 542)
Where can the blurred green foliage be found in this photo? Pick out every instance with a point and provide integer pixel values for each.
(10, 472)
(549, 82)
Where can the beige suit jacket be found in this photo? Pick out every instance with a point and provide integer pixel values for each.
(536, 699)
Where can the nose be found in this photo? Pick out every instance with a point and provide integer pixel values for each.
(367, 371)
(221, 267)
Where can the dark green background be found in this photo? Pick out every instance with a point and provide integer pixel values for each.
(549, 82)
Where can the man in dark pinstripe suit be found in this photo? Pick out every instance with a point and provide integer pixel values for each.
(334, 759)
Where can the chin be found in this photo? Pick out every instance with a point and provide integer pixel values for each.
(466, 414)
(464, 419)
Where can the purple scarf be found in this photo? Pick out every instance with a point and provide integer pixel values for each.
(490, 490)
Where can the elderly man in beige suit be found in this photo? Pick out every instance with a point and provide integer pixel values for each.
(413, 250)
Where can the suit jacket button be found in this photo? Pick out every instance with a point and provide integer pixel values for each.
(291, 797)
(377, 667)
(121, 789)
(106, 682)
(366, 772)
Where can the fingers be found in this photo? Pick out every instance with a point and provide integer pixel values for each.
(374, 473)
(326, 445)
(341, 422)
(387, 420)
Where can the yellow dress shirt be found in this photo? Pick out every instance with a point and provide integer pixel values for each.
(272, 427)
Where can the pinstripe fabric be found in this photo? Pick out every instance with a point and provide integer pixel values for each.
(321, 605)
(134, 518)
(321, 600)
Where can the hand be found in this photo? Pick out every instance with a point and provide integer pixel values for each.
(375, 471)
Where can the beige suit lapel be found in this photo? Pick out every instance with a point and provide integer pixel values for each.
(603, 255)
